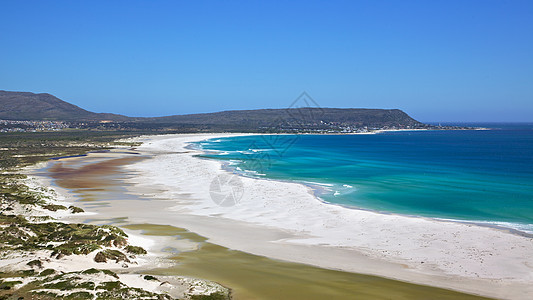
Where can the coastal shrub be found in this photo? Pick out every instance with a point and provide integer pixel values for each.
(97, 271)
(76, 247)
(86, 249)
(69, 284)
(54, 207)
(119, 242)
(61, 285)
(112, 230)
(110, 285)
(47, 272)
(41, 218)
(76, 209)
(13, 235)
(100, 257)
(35, 263)
(135, 250)
(110, 273)
(79, 295)
(91, 271)
(131, 293)
(7, 285)
(150, 277)
(7, 161)
(77, 238)
(110, 254)
(12, 219)
(20, 193)
(45, 295)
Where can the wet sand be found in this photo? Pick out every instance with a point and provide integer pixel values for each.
(257, 277)
(97, 182)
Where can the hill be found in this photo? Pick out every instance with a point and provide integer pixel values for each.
(305, 116)
(45, 107)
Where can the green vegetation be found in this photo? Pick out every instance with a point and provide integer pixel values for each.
(69, 284)
(7, 285)
(79, 295)
(150, 277)
(89, 284)
(47, 272)
(96, 271)
(130, 293)
(110, 254)
(75, 209)
(35, 263)
(135, 250)
(68, 238)
(54, 207)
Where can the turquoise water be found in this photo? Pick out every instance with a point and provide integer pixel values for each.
(481, 176)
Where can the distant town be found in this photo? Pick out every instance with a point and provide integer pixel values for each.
(31, 126)
(288, 127)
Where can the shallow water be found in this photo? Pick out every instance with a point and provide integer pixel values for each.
(255, 277)
(468, 175)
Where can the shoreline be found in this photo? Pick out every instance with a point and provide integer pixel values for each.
(239, 270)
(317, 189)
(185, 203)
(494, 277)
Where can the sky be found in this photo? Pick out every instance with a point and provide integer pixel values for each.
(437, 60)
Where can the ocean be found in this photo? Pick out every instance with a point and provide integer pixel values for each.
(481, 176)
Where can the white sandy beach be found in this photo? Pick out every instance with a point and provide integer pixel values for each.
(286, 221)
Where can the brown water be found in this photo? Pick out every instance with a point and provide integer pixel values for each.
(99, 182)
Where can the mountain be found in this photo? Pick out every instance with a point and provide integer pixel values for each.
(30, 106)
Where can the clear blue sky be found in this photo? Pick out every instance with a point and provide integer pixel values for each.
(437, 60)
